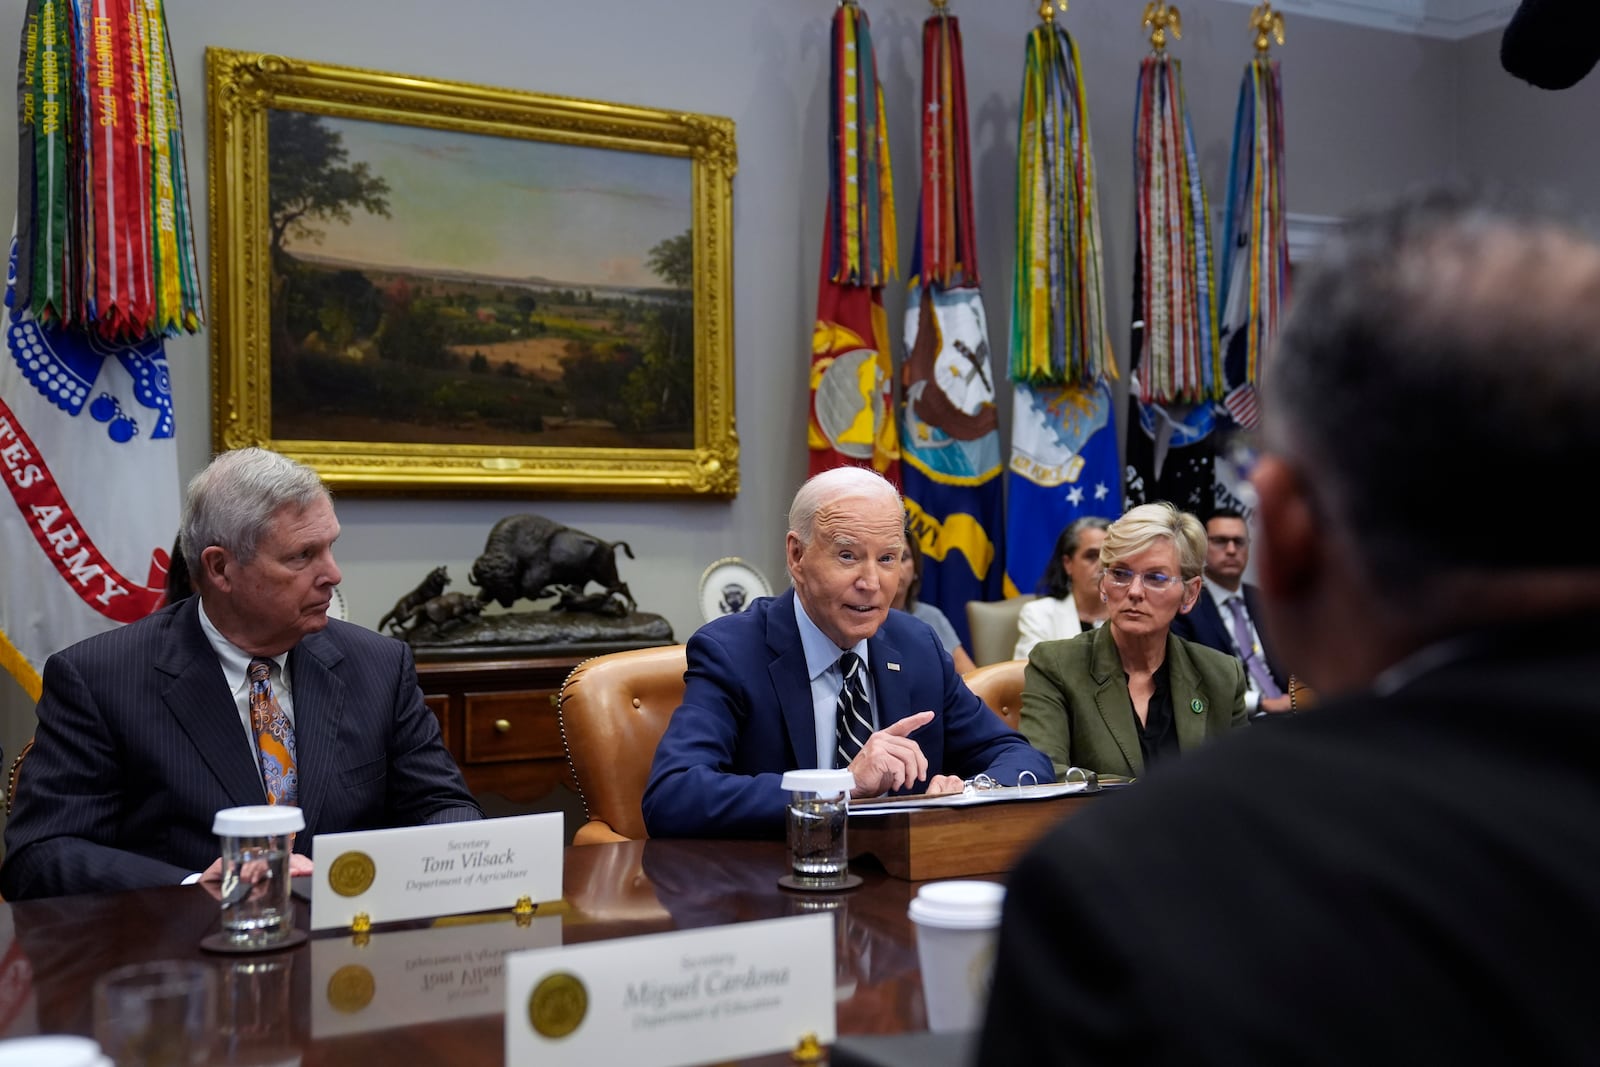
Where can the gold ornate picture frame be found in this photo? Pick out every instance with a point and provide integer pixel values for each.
(429, 285)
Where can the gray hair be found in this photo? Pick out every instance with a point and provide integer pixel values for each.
(835, 484)
(229, 503)
(1142, 527)
(1445, 343)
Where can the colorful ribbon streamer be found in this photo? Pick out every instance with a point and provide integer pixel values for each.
(1255, 252)
(103, 208)
(1177, 357)
(1059, 330)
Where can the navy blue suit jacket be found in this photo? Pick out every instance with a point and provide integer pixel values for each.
(1204, 623)
(747, 717)
(139, 744)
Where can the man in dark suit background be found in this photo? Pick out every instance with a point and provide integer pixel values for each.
(1226, 615)
(146, 731)
(765, 688)
(1409, 871)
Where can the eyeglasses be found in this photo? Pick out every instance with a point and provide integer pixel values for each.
(1224, 542)
(1154, 581)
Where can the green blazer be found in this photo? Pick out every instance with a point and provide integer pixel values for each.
(1076, 708)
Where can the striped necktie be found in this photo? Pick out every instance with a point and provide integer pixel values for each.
(853, 714)
(1247, 650)
(274, 737)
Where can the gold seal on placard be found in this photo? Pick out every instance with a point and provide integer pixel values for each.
(558, 1004)
(351, 988)
(352, 874)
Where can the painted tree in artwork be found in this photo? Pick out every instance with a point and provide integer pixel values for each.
(310, 183)
(660, 391)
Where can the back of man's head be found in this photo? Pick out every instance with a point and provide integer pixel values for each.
(1439, 370)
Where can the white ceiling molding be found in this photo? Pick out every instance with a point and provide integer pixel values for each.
(1449, 19)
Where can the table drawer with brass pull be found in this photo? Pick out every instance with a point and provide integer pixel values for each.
(511, 726)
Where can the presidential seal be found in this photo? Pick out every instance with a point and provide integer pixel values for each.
(351, 874)
(351, 988)
(558, 1005)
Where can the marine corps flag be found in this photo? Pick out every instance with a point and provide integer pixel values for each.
(949, 427)
(1177, 375)
(1255, 250)
(102, 266)
(851, 366)
(1064, 439)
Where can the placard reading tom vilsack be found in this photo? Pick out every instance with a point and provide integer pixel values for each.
(669, 1000)
(418, 872)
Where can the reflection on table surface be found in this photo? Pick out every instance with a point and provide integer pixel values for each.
(433, 992)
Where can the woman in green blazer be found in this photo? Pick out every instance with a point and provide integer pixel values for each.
(1128, 694)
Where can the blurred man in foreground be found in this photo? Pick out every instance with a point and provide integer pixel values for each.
(1410, 871)
(244, 694)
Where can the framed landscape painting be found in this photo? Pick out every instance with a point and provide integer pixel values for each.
(423, 284)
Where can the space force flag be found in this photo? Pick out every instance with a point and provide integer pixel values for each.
(852, 373)
(1064, 438)
(949, 427)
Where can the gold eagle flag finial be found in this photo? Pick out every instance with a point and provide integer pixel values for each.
(1267, 25)
(1161, 18)
(1047, 9)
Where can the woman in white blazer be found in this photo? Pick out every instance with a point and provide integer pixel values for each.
(1071, 602)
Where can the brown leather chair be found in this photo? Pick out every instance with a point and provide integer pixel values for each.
(999, 685)
(614, 709)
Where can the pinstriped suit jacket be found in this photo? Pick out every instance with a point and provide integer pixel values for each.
(139, 744)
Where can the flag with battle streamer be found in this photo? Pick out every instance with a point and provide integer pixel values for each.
(1255, 255)
(852, 370)
(1177, 375)
(101, 268)
(949, 426)
(1064, 438)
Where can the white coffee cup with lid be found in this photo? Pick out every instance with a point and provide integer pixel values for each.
(957, 924)
(52, 1050)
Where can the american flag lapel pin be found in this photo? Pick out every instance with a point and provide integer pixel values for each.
(893, 666)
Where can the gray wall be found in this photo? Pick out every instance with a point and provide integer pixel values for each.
(1366, 112)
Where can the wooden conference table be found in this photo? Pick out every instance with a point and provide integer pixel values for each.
(274, 1008)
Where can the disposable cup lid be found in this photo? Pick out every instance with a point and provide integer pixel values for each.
(824, 783)
(259, 820)
(55, 1050)
(959, 905)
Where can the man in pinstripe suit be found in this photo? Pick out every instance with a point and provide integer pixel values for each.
(145, 732)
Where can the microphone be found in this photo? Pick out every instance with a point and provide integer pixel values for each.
(1552, 44)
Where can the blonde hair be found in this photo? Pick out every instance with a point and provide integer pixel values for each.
(1142, 527)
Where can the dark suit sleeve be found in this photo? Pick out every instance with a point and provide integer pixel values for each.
(976, 740)
(69, 802)
(695, 787)
(1066, 978)
(425, 785)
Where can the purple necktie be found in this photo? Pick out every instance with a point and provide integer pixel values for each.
(1247, 650)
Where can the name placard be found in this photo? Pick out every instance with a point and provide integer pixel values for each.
(407, 977)
(668, 1000)
(418, 872)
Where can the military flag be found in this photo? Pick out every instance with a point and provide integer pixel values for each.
(1177, 375)
(852, 370)
(949, 426)
(1255, 250)
(1064, 438)
(101, 268)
